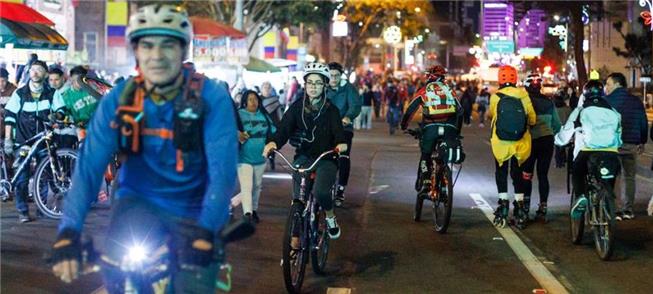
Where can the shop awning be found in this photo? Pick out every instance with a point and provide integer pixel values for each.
(22, 13)
(214, 29)
(259, 65)
(30, 35)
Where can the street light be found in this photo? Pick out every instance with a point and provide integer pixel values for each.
(556, 17)
(418, 10)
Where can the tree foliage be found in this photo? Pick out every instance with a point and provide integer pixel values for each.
(368, 18)
(637, 47)
(261, 16)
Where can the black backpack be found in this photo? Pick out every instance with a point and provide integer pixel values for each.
(511, 118)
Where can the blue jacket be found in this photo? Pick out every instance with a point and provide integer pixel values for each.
(201, 192)
(259, 127)
(633, 116)
(346, 98)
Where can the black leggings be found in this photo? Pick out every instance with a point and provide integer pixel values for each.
(541, 154)
(344, 163)
(501, 176)
(325, 177)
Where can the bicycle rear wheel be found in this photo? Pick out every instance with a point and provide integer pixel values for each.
(52, 181)
(294, 260)
(444, 202)
(320, 242)
(604, 229)
(576, 226)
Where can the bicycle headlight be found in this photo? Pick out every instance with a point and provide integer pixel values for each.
(136, 254)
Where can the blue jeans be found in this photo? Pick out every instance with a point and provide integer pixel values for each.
(22, 182)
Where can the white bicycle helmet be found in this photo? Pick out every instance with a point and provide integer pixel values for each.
(162, 20)
(316, 68)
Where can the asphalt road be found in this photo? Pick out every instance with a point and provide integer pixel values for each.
(382, 250)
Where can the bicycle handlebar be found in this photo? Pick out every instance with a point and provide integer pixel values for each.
(312, 166)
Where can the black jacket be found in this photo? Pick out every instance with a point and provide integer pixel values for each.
(28, 115)
(633, 116)
(321, 131)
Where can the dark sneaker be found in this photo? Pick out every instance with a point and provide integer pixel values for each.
(23, 217)
(619, 216)
(255, 217)
(334, 229)
(248, 217)
(628, 215)
(579, 207)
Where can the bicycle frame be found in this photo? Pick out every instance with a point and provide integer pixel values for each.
(310, 209)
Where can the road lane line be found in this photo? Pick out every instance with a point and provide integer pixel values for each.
(338, 291)
(534, 266)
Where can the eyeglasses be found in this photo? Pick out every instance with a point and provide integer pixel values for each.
(316, 84)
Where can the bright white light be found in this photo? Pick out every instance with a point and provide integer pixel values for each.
(556, 17)
(478, 35)
(245, 12)
(137, 254)
(377, 46)
(360, 23)
(427, 30)
(418, 10)
(496, 5)
(398, 14)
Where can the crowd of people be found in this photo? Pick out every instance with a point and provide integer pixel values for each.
(187, 142)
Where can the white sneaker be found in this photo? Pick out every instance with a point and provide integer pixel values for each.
(334, 229)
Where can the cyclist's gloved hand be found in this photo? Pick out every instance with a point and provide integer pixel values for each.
(66, 255)
(268, 148)
(197, 250)
(342, 148)
(9, 146)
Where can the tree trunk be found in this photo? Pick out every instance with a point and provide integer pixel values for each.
(578, 30)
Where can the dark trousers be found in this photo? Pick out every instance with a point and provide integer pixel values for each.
(22, 182)
(325, 177)
(344, 163)
(579, 174)
(135, 221)
(541, 154)
(560, 156)
(501, 176)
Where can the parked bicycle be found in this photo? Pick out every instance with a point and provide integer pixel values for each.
(442, 183)
(306, 223)
(603, 168)
(53, 173)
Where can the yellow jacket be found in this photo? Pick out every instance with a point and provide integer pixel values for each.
(504, 150)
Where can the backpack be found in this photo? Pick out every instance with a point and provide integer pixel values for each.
(188, 118)
(511, 118)
(439, 102)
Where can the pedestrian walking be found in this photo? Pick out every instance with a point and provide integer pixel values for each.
(635, 128)
(482, 101)
(467, 101)
(364, 120)
(257, 128)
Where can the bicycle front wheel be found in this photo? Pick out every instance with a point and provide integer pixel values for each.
(604, 228)
(52, 181)
(295, 255)
(320, 242)
(444, 202)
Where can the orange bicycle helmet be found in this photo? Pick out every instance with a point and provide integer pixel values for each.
(507, 75)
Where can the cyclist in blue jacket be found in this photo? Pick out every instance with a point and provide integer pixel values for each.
(179, 173)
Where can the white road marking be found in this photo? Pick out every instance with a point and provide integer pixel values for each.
(377, 189)
(338, 290)
(277, 176)
(101, 290)
(534, 266)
